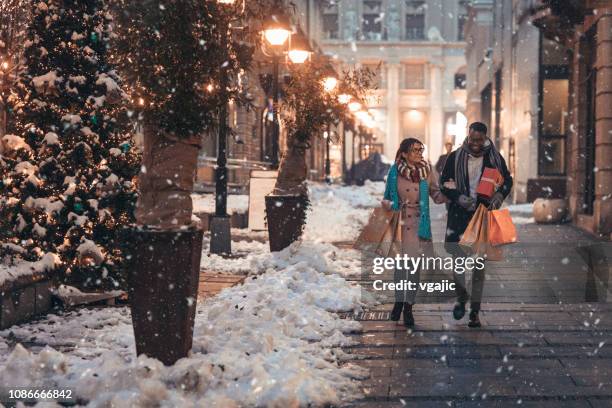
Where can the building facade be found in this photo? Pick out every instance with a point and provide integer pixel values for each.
(416, 49)
(518, 84)
(585, 29)
(538, 73)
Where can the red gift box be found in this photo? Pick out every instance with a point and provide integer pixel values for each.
(489, 182)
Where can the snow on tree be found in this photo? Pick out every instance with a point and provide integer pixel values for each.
(67, 170)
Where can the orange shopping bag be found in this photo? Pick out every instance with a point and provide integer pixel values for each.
(382, 233)
(501, 228)
(476, 236)
(473, 231)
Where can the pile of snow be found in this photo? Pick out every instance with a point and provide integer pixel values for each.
(205, 203)
(257, 259)
(522, 213)
(338, 213)
(270, 342)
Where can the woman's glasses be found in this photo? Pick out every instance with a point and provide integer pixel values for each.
(417, 149)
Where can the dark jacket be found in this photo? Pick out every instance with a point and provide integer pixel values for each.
(458, 217)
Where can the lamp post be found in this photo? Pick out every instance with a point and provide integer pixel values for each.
(5, 78)
(276, 32)
(220, 223)
(330, 82)
(344, 99)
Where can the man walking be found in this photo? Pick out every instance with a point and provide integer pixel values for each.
(459, 181)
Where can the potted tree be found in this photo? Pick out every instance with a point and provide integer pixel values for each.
(181, 60)
(310, 105)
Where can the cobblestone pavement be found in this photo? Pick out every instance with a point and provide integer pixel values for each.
(545, 340)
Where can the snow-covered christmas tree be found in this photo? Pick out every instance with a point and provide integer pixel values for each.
(67, 168)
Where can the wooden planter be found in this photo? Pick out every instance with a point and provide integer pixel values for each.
(163, 280)
(24, 298)
(286, 217)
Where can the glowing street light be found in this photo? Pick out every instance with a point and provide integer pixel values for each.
(330, 83)
(344, 98)
(300, 49)
(354, 106)
(277, 30)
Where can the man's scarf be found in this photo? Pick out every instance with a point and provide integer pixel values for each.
(414, 172)
(461, 160)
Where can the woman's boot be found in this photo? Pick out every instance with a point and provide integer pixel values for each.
(408, 317)
(397, 311)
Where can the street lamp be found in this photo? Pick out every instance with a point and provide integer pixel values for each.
(330, 82)
(276, 32)
(6, 77)
(277, 29)
(300, 48)
(220, 225)
(354, 106)
(344, 99)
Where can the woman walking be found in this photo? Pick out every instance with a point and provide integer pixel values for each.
(410, 183)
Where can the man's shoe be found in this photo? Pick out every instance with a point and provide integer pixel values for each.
(397, 311)
(474, 319)
(459, 310)
(408, 316)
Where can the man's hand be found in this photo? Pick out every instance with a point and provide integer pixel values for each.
(496, 201)
(468, 203)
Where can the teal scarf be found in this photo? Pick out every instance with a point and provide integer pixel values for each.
(392, 195)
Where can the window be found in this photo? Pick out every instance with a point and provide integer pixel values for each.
(462, 19)
(331, 27)
(554, 109)
(414, 76)
(414, 21)
(460, 81)
(372, 27)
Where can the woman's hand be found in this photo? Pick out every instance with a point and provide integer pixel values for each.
(386, 204)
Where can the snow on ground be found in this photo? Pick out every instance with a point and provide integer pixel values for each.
(205, 203)
(338, 213)
(256, 258)
(269, 342)
(521, 213)
(272, 341)
(524, 209)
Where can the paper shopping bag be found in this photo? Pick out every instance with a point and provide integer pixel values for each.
(477, 238)
(382, 233)
(473, 230)
(501, 229)
(391, 241)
